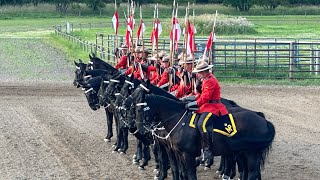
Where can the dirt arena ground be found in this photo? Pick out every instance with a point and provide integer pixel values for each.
(48, 130)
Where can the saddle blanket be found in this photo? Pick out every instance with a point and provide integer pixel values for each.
(220, 124)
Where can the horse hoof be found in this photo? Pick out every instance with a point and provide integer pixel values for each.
(119, 150)
(113, 152)
(206, 168)
(107, 140)
(156, 178)
(155, 170)
(134, 156)
(135, 162)
(141, 168)
(114, 146)
(218, 172)
(225, 177)
(122, 153)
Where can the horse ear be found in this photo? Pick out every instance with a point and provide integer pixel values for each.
(90, 56)
(77, 64)
(94, 55)
(80, 61)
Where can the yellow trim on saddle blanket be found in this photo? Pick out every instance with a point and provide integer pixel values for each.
(193, 117)
(231, 129)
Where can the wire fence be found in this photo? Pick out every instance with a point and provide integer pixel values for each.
(261, 58)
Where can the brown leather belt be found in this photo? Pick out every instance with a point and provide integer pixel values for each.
(214, 101)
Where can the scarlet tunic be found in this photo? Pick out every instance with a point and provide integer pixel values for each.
(122, 63)
(210, 92)
(164, 78)
(135, 71)
(184, 89)
(154, 77)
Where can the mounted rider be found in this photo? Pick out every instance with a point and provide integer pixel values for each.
(185, 87)
(208, 101)
(124, 61)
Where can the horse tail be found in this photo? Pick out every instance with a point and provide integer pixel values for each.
(268, 147)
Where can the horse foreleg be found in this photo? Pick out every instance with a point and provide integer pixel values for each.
(138, 154)
(163, 161)
(189, 163)
(109, 118)
(146, 155)
(124, 146)
(119, 135)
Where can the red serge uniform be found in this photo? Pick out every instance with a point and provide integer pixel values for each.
(184, 89)
(154, 78)
(123, 63)
(164, 78)
(209, 99)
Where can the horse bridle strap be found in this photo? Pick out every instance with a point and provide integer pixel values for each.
(168, 135)
(114, 80)
(87, 76)
(91, 89)
(131, 83)
(141, 104)
(145, 88)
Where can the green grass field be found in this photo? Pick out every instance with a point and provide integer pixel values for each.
(273, 27)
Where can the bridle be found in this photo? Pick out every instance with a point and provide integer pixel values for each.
(151, 127)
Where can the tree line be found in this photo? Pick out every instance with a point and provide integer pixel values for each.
(241, 5)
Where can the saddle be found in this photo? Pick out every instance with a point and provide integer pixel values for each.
(224, 125)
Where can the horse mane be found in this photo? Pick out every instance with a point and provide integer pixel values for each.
(156, 90)
(95, 82)
(169, 103)
(96, 72)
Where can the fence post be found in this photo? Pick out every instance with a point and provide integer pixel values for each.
(255, 56)
(291, 60)
(235, 51)
(108, 46)
(317, 63)
(312, 61)
(96, 45)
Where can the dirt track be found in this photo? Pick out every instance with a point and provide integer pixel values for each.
(48, 130)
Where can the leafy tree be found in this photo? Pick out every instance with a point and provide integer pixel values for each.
(96, 4)
(268, 4)
(241, 5)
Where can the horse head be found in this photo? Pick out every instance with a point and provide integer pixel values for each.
(91, 92)
(114, 87)
(79, 72)
(97, 63)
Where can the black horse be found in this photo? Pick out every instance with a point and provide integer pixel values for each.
(79, 72)
(253, 140)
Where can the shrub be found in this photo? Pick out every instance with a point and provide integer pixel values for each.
(224, 24)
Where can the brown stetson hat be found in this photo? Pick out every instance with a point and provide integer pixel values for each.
(202, 66)
(166, 59)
